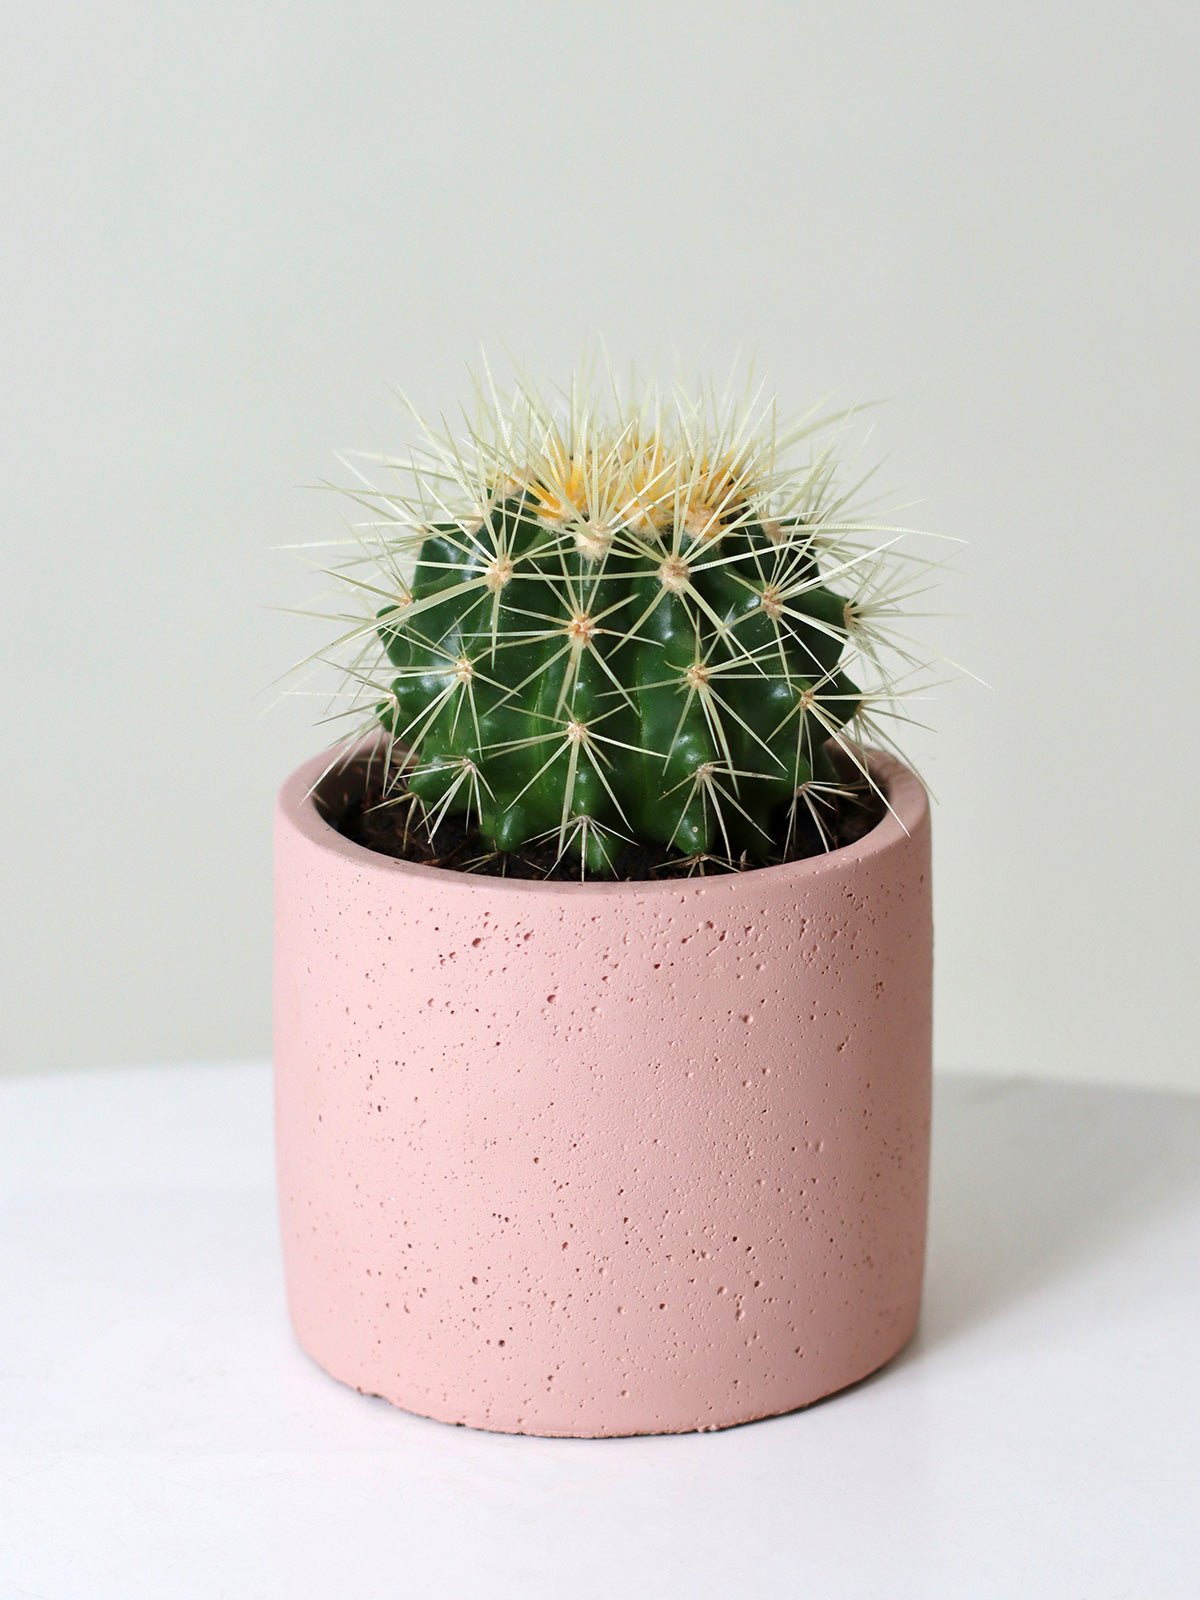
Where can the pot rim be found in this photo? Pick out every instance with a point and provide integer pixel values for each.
(908, 802)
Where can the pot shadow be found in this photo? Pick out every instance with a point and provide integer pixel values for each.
(1035, 1183)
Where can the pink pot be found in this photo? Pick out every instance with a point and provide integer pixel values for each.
(595, 1159)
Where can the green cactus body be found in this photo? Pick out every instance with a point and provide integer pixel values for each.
(652, 684)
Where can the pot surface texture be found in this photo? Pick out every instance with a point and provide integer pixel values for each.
(603, 1158)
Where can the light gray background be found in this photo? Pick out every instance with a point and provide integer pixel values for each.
(230, 226)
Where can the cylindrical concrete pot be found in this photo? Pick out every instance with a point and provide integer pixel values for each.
(604, 1158)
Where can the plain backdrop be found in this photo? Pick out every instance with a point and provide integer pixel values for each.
(229, 228)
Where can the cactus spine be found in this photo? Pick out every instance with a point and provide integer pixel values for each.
(638, 624)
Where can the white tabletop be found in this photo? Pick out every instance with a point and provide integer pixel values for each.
(162, 1436)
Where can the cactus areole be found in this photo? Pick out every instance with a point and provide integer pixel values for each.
(658, 623)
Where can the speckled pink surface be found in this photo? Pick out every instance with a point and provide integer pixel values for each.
(608, 1158)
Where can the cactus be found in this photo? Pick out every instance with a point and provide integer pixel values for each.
(639, 623)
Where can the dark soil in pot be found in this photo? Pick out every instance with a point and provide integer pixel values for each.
(353, 800)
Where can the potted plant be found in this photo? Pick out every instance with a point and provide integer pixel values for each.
(603, 964)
